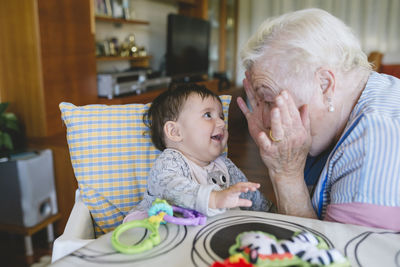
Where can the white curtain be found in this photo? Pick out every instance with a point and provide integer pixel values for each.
(375, 22)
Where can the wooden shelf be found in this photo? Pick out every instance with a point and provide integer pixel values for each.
(29, 230)
(110, 58)
(187, 2)
(117, 20)
(149, 96)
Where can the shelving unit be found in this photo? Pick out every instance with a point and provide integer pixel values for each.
(117, 20)
(134, 61)
(118, 58)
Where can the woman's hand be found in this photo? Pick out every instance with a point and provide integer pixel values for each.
(284, 145)
(284, 148)
(254, 117)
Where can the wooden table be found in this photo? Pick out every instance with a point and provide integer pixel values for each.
(202, 245)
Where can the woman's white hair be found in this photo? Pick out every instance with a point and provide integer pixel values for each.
(305, 40)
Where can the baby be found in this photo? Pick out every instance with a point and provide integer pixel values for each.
(187, 124)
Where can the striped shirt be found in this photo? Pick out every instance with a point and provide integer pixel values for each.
(364, 166)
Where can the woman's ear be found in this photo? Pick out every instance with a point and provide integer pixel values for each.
(326, 79)
(171, 131)
(327, 82)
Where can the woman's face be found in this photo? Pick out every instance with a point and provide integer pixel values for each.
(267, 86)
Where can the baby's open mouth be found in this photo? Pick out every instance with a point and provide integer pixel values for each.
(217, 137)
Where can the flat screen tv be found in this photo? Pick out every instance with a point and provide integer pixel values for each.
(188, 41)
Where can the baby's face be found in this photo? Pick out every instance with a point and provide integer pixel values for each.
(203, 129)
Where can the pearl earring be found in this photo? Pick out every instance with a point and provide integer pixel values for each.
(331, 108)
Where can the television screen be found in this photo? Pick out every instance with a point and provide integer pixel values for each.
(187, 47)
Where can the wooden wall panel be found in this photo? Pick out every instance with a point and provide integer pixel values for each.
(20, 78)
(69, 74)
(222, 36)
(69, 65)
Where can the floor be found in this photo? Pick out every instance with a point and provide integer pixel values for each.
(241, 150)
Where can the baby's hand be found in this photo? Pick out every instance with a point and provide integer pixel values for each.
(229, 198)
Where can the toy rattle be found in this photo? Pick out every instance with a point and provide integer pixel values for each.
(159, 213)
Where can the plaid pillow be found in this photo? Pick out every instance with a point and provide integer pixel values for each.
(111, 156)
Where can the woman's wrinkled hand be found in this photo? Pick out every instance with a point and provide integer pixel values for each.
(285, 143)
(255, 116)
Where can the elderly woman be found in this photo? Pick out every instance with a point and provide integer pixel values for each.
(324, 121)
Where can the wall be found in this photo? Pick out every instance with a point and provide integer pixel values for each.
(376, 23)
(153, 37)
(244, 30)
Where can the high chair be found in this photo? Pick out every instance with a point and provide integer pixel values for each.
(111, 154)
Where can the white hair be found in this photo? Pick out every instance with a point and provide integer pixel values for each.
(302, 41)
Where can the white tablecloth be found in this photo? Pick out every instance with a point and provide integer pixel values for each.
(202, 245)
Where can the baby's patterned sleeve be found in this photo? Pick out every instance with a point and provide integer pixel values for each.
(170, 179)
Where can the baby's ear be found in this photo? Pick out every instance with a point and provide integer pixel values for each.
(171, 131)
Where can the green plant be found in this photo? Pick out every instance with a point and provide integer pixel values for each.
(9, 129)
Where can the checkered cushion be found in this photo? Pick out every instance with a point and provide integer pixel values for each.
(111, 156)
